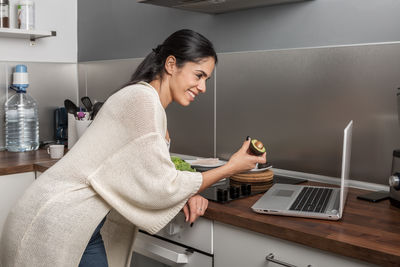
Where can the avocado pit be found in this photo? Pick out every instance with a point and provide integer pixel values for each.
(257, 147)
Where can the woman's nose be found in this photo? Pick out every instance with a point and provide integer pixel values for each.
(202, 86)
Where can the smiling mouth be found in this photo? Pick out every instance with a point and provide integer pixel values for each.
(191, 94)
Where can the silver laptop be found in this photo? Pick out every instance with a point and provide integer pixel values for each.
(310, 201)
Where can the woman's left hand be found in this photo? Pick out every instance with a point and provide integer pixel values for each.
(195, 207)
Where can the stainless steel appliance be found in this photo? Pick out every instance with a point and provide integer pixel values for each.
(177, 244)
(394, 180)
(60, 125)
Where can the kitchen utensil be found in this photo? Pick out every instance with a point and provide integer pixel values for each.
(82, 115)
(70, 107)
(96, 108)
(87, 103)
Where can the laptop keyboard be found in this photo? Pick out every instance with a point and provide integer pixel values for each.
(312, 199)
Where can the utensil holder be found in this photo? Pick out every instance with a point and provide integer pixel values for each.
(76, 128)
(81, 127)
(72, 135)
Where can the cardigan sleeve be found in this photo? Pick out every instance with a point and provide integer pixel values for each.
(141, 183)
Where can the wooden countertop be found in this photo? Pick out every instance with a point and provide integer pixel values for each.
(367, 231)
(17, 162)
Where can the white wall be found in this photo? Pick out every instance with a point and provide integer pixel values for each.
(56, 15)
(52, 62)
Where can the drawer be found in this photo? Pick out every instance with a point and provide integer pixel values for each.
(236, 247)
(151, 251)
(200, 236)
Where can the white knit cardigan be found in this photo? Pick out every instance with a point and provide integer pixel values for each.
(121, 164)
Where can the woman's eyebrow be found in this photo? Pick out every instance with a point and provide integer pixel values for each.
(203, 73)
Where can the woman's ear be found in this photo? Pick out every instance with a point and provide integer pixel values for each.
(170, 64)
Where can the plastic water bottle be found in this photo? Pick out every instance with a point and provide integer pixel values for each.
(22, 123)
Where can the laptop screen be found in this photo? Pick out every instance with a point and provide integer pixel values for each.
(345, 165)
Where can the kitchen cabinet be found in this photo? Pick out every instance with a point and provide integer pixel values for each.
(12, 187)
(237, 247)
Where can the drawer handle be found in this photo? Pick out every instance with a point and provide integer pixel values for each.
(163, 254)
(270, 257)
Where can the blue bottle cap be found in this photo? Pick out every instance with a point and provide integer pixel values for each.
(21, 68)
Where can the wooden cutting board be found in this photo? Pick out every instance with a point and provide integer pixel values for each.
(254, 177)
(259, 181)
(255, 187)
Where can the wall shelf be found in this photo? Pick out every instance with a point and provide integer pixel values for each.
(32, 35)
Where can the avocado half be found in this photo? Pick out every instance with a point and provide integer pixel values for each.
(257, 147)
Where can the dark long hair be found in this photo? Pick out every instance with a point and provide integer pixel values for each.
(185, 45)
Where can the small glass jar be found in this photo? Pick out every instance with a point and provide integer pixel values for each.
(4, 14)
(26, 15)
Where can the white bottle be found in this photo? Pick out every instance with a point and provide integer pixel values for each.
(26, 15)
(22, 122)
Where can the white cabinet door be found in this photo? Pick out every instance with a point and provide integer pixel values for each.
(236, 247)
(12, 187)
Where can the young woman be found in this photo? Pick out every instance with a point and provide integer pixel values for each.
(119, 176)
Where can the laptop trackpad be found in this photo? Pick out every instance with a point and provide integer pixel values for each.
(283, 193)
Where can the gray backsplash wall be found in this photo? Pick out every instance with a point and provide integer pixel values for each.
(49, 84)
(296, 100)
(99, 79)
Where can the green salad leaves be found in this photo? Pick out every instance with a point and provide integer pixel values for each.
(181, 165)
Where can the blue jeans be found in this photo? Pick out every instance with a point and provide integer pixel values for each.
(95, 252)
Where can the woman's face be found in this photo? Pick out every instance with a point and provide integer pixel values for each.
(190, 80)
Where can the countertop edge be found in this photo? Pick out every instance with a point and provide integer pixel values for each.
(17, 169)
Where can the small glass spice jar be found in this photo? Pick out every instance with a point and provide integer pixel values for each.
(26, 15)
(4, 14)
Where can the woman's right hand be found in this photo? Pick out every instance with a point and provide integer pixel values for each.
(239, 162)
(243, 161)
